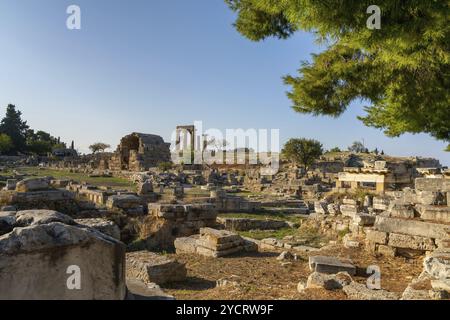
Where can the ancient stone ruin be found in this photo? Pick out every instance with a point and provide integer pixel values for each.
(139, 152)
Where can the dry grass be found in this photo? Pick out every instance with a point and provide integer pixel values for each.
(261, 276)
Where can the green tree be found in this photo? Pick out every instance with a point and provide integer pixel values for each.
(39, 147)
(402, 70)
(13, 126)
(6, 143)
(99, 147)
(303, 151)
(357, 147)
(335, 149)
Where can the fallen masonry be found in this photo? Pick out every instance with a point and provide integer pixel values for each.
(331, 265)
(177, 220)
(154, 268)
(213, 243)
(244, 224)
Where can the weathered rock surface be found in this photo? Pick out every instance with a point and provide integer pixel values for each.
(32, 184)
(412, 227)
(139, 290)
(358, 291)
(35, 260)
(328, 281)
(124, 201)
(243, 224)
(154, 268)
(105, 226)
(37, 217)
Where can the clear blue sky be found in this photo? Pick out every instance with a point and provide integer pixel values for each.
(149, 65)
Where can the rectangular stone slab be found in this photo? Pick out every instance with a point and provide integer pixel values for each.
(412, 227)
(330, 265)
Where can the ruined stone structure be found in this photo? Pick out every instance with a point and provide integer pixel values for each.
(213, 243)
(139, 152)
(177, 220)
(379, 176)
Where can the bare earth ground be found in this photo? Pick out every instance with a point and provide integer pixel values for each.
(261, 276)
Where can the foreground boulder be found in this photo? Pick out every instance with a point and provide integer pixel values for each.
(105, 226)
(7, 221)
(50, 257)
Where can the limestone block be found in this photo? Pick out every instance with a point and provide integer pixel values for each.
(348, 210)
(437, 265)
(124, 201)
(218, 236)
(185, 245)
(330, 265)
(411, 242)
(32, 184)
(35, 259)
(363, 219)
(434, 213)
(377, 236)
(412, 227)
(151, 267)
(320, 207)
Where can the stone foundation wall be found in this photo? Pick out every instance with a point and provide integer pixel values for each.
(176, 220)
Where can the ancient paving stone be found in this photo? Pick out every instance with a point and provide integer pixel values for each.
(152, 267)
(330, 265)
